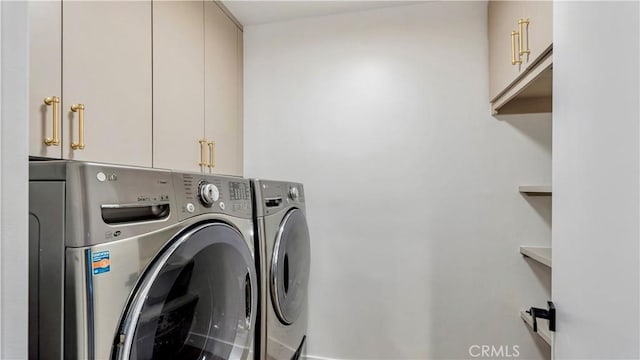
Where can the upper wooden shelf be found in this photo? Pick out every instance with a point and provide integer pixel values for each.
(535, 190)
(539, 254)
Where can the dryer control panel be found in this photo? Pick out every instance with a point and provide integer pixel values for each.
(199, 194)
(274, 196)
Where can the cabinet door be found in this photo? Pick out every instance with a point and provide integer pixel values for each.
(223, 78)
(178, 84)
(540, 34)
(503, 19)
(45, 74)
(107, 67)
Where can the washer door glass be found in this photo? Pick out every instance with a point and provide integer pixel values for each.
(290, 267)
(198, 300)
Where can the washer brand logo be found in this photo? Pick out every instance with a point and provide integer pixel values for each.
(493, 351)
(101, 262)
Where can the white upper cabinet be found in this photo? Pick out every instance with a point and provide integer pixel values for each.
(45, 72)
(178, 85)
(197, 82)
(94, 66)
(520, 56)
(223, 90)
(137, 83)
(503, 66)
(539, 30)
(106, 66)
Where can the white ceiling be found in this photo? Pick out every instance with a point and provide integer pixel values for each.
(265, 11)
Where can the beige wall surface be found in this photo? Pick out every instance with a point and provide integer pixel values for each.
(411, 185)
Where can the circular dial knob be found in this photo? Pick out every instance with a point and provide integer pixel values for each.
(293, 193)
(208, 193)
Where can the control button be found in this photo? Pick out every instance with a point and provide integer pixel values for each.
(101, 176)
(293, 193)
(208, 193)
(190, 208)
(221, 205)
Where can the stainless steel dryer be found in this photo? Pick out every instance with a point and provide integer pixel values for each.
(283, 239)
(132, 263)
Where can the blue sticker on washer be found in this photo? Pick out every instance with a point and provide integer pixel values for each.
(101, 262)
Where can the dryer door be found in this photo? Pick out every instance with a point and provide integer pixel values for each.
(197, 301)
(290, 267)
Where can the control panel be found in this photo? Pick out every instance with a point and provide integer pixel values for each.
(276, 195)
(108, 202)
(110, 185)
(199, 194)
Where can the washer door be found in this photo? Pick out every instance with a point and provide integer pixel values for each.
(197, 301)
(290, 267)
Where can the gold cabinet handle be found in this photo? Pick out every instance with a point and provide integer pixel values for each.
(79, 108)
(212, 154)
(524, 29)
(513, 49)
(203, 155)
(53, 101)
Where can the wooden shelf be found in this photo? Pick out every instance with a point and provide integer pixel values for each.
(535, 190)
(539, 254)
(543, 327)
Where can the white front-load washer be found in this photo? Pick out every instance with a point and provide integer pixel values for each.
(284, 243)
(133, 263)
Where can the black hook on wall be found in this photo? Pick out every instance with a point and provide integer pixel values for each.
(549, 314)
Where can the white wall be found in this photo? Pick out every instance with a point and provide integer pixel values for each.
(595, 178)
(13, 180)
(411, 185)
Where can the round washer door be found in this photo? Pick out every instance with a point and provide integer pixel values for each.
(290, 267)
(197, 301)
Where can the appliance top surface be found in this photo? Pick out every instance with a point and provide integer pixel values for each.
(40, 169)
(64, 169)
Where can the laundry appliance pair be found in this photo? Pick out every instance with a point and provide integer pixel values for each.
(136, 263)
